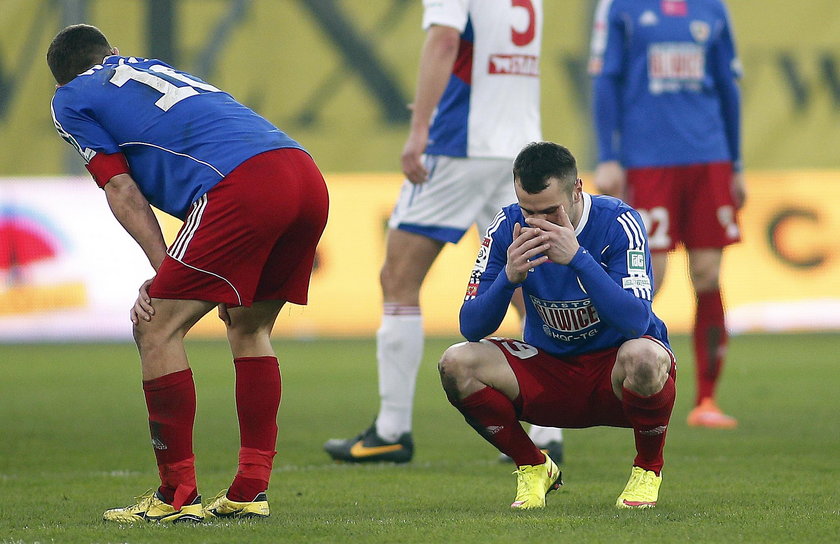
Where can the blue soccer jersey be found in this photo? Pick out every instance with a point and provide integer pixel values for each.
(601, 299)
(179, 135)
(665, 87)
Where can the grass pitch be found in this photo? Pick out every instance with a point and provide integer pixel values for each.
(74, 441)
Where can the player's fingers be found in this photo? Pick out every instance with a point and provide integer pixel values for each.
(517, 229)
(416, 175)
(535, 223)
(533, 263)
(531, 253)
(145, 304)
(564, 219)
(533, 239)
(144, 291)
(413, 167)
(138, 313)
(224, 315)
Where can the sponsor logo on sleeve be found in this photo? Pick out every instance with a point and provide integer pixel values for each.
(636, 262)
(636, 282)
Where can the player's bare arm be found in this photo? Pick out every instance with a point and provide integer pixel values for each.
(562, 242)
(436, 60)
(133, 212)
(523, 252)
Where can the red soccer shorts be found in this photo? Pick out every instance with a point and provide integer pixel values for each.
(252, 237)
(570, 393)
(692, 205)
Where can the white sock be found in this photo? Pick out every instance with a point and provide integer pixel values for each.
(543, 435)
(399, 351)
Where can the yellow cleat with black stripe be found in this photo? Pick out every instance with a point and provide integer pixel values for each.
(642, 490)
(222, 507)
(151, 507)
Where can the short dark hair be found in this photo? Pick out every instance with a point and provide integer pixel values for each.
(540, 161)
(74, 50)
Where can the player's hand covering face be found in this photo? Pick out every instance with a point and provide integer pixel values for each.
(525, 252)
(562, 242)
(548, 212)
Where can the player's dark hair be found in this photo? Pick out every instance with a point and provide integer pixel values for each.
(74, 50)
(540, 161)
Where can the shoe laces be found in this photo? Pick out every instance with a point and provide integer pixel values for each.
(146, 500)
(527, 478)
(219, 495)
(641, 480)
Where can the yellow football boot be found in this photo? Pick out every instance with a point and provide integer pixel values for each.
(642, 490)
(151, 507)
(223, 507)
(534, 482)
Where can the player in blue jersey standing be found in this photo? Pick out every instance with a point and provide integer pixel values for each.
(477, 103)
(593, 354)
(667, 117)
(254, 206)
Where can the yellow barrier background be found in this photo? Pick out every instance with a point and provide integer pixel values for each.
(276, 58)
(762, 290)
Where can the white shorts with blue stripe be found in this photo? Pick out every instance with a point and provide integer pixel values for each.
(460, 192)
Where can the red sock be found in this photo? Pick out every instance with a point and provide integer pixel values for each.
(649, 417)
(492, 414)
(710, 339)
(258, 391)
(170, 400)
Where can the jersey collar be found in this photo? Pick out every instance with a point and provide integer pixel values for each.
(584, 216)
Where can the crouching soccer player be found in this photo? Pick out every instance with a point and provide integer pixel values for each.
(254, 206)
(593, 354)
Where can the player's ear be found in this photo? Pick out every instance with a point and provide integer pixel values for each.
(577, 191)
(115, 51)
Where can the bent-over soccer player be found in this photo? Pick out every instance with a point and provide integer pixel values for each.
(254, 205)
(593, 354)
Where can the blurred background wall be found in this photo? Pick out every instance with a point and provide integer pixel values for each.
(337, 76)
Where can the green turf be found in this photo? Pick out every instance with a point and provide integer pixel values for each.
(74, 441)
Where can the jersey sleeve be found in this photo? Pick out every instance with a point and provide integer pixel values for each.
(452, 13)
(725, 69)
(489, 290)
(619, 284)
(606, 51)
(102, 156)
(103, 167)
(606, 66)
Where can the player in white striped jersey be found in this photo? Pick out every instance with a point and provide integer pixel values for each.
(477, 104)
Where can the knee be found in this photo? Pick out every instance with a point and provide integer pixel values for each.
(391, 282)
(641, 365)
(147, 335)
(456, 367)
(398, 286)
(239, 331)
(453, 361)
(705, 279)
